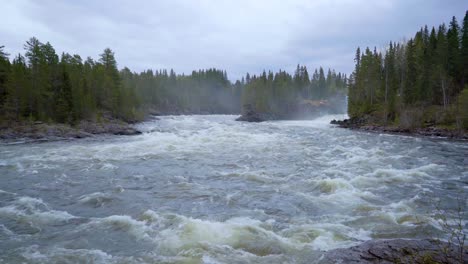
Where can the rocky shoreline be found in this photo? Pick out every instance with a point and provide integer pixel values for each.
(399, 251)
(40, 131)
(430, 131)
(43, 131)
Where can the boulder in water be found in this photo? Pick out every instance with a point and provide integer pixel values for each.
(250, 115)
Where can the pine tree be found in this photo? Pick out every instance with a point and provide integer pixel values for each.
(4, 72)
(442, 66)
(322, 84)
(63, 101)
(432, 71)
(39, 91)
(109, 81)
(464, 52)
(410, 93)
(454, 56)
(18, 89)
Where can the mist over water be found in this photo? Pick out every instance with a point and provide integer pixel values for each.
(207, 189)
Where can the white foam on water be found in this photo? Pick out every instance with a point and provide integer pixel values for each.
(325, 187)
(138, 229)
(35, 254)
(239, 233)
(187, 135)
(255, 176)
(326, 236)
(319, 122)
(7, 232)
(96, 199)
(33, 210)
(6, 192)
(397, 176)
(330, 186)
(177, 233)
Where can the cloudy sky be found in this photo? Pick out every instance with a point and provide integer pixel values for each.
(237, 35)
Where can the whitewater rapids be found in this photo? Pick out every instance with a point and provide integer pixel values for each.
(208, 189)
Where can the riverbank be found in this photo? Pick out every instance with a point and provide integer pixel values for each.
(399, 251)
(44, 131)
(41, 131)
(430, 131)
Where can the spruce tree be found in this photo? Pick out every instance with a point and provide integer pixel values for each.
(454, 56)
(18, 91)
(4, 72)
(464, 51)
(63, 101)
(442, 66)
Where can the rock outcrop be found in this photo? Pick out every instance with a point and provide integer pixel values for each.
(398, 251)
(44, 132)
(250, 115)
(364, 123)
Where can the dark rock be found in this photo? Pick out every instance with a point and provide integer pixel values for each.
(398, 251)
(39, 131)
(128, 132)
(250, 118)
(356, 122)
(109, 127)
(250, 115)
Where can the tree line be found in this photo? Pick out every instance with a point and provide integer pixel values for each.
(202, 92)
(280, 93)
(42, 86)
(420, 82)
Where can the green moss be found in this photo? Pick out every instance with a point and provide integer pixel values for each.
(452, 126)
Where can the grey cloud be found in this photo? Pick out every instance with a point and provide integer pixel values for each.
(239, 36)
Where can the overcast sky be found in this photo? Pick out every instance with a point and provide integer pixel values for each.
(239, 36)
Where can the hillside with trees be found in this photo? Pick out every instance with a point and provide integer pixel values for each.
(420, 83)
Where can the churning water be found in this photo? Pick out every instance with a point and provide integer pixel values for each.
(207, 189)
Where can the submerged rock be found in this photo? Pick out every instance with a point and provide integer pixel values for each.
(250, 118)
(399, 251)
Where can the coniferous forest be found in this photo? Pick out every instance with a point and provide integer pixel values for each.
(417, 83)
(42, 86)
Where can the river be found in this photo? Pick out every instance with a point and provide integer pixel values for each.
(208, 189)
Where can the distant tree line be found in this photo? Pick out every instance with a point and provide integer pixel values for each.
(42, 86)
(420, 82)
(203, 92)
(280, 93)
